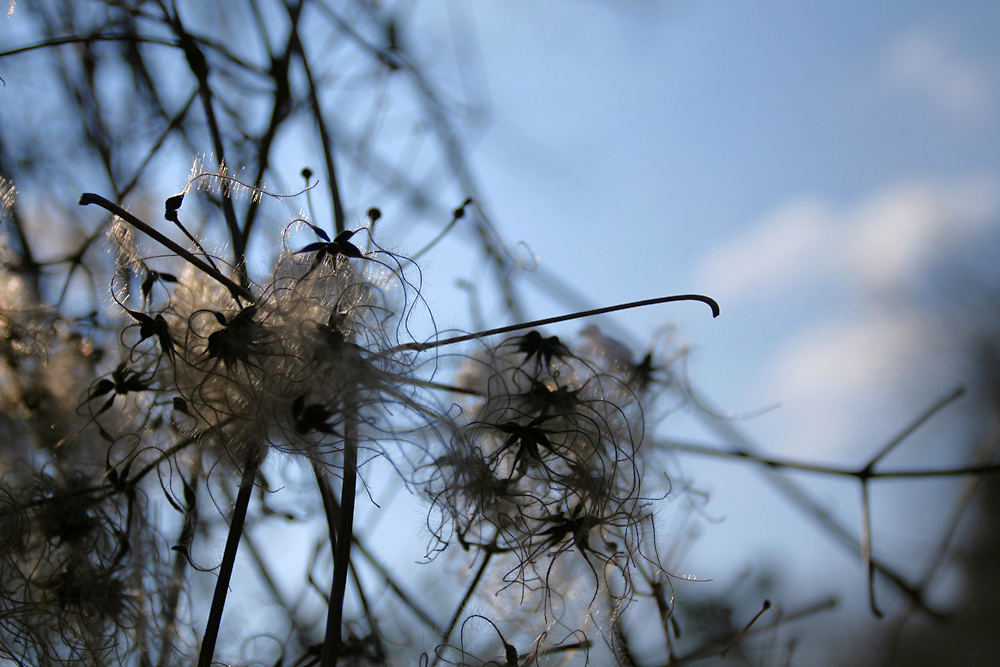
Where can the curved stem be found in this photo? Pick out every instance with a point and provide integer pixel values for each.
(419, 347)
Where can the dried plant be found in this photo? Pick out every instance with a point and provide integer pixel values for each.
(168, 408)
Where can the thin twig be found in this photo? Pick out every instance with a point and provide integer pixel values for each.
(181, 560)
(921, 419)
(801, 499)
(326, 141)
(280, 108)
(237, 291)
(746, 628)
(198, 65)
(716, 451)
(866, 547)
(420, 347)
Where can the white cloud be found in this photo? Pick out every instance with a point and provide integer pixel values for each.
(891, 236)
(882, 242)
(923, 60)
(835, 377)
(842, 378)
(847, 385)
(784, 245)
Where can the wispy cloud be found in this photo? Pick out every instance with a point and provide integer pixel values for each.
(847, 383)
(894, 234)
(784, 245)
(842, 375)
(881, 242)
(924, 60)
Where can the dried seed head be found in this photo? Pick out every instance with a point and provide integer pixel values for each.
(277, 372)
(549, 460)
(64, 569)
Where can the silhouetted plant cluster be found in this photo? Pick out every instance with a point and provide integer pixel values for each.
(165, 406)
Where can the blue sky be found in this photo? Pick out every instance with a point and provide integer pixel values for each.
(811, 165)
(791, 159)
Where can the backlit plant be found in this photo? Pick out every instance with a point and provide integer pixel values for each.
(181, 427)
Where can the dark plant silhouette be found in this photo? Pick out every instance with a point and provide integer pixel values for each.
(168, 408)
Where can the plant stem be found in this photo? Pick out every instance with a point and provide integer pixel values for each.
(737, 453)
(226, 568)
(180, 564)
(238, 291)
(420, 347)
(345, 533)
